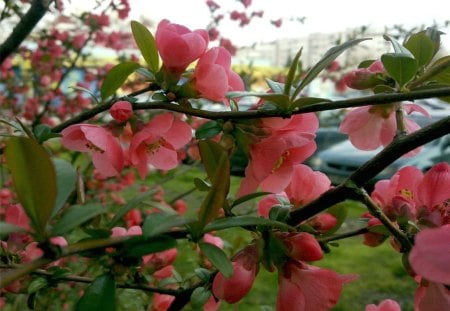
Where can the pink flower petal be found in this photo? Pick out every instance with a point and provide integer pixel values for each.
(430, 256)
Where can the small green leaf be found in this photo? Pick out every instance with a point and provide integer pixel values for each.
(291, 74)
(34, 179)
(248, 197)
(100, 295)
(324, 62)
(139, 247)
(379, 229)
(116, 77)
(217, 165)
(76, 215)
(275, 86)
(208, 130)
(36, 285)
(203, 274)
(217, 257)
(401, 67)
(201, 184)
(279, 212)
(7, 228)
(83, 89)
(66, 178)
(305, 101)
(242, 221)
(398, 48)
(439, 71)
(199, 297)
(421, 46)
(158, 223)
(43, 132)
(279, 100)
(146, 44)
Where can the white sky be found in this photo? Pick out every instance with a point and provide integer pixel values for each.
(321, 15)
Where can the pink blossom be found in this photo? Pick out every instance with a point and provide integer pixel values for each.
(121, 111)
(159, 260)
(107, 154)
(364, 78)
(430, 255)
(323, 222)
(157, 142)
(385, 305)
(213, 76)
(161, 302)
(214, 240)
(303, 287)
(272, 160)
(370, 127)
(434, 190)
(397, 196)
(306, 185)
(211, 304)
(234, 288)
(179, 46)
(31, 252)
(301, 246)
(163, 273)
(16, 215)
(431, 296)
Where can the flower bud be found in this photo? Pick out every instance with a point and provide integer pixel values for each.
(121, 111)
(245, 268)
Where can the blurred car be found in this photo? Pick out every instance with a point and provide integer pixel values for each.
(342, 159)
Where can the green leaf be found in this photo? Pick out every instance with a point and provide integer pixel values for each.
(242, 221)
(379, 229)
(275, 86)
(217, 165)
(146, 44)
(401, 67)
(66, 178)
(324, 62)
(116, 77)
(129, 206)
(439, 71)
(201, 184)
(339, 211)
(305, 101)
(279, 100)
(83, 89)
(208, 130)
(7, 228)
(43, 132)
(36, 285)
(199, 297)
(140, 247)
(34, 179)
(76, 215)
(248, 197)
(422, 47)
(218, 258)
(158, 223)
(291, 74)
(398, 48)
(100, 295)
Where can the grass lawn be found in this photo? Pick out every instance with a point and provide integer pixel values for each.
(380, 270)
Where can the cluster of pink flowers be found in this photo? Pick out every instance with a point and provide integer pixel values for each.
(154, 144)
(179, 47)
(272, 159)
(423, 199)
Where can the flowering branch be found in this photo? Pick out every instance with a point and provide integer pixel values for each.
(371, 168)
(377, 99)
(398, 234)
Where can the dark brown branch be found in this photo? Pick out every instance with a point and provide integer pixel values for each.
(23, 28)
(255, 114)
(370, 169)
